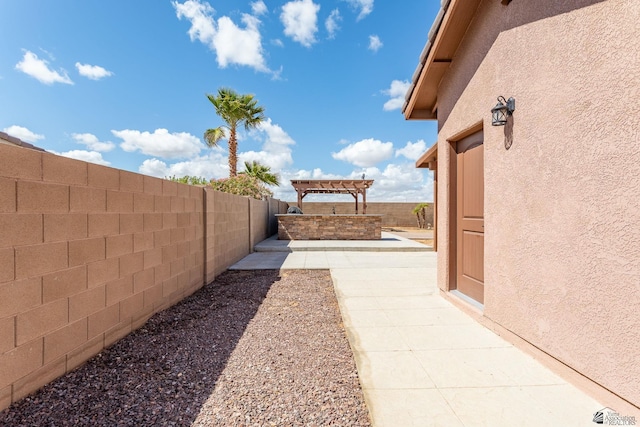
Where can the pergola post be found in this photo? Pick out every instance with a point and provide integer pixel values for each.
(364, 201)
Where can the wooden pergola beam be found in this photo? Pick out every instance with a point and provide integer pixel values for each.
(330, 186)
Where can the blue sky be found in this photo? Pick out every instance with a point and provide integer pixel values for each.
(123, 83)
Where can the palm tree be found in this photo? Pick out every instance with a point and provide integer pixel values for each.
(421, 214)
(235, 110)
(261, 172)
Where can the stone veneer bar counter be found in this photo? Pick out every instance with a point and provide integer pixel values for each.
(329, 227)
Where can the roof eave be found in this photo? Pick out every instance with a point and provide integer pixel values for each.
(445, 36)
(429, 159)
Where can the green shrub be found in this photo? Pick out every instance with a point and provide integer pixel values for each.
(191, 180)
(242, 185)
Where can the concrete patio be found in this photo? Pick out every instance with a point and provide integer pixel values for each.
(422, 361)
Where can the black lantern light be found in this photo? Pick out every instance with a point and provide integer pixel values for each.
(502, 110)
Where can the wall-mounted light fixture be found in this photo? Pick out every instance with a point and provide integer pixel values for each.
(502, 110)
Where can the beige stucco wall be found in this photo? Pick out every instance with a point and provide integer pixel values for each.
(562, 205)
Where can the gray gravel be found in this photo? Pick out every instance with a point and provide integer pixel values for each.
(253, 348)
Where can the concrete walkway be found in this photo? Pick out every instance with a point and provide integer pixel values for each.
(422, 361)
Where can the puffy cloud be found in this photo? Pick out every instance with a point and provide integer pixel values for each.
(259, 8)
(332, 24)
(212, 165)
(22, 133)
(39, 69)
(396, 183)
(365, 153)
(412, 151)
(402, 182)
(300, 18)
(277, 139)
(276, 151)
(364, 6)
(86, 156)
(154, 167)
(276, 161)
(374, 43)
(200, 15)
(93, 72)
(396, 92)
(92, 142)
(160, 143)
(287, 193)
(235, 45)
(232, 44)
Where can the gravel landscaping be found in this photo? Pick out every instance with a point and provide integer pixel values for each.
(253, 348)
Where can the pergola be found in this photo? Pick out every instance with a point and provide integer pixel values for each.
(333, 186)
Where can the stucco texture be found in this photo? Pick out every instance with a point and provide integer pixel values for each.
(562, 203)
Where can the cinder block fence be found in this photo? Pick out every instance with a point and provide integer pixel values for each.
(88, 253)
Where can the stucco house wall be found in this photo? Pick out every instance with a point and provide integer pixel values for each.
(562, 204)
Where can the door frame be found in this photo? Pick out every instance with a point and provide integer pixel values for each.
(452, 232)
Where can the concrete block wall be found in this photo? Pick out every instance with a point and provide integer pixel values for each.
(229, 230)
(88, 253)
(394, 214)
(259, 221)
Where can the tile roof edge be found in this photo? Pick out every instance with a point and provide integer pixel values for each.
(433, 32)
(17, 141)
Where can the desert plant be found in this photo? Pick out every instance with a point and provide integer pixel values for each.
(191, 180)
(420, 210)
(242, 185)
(261, 172)
(235, 110)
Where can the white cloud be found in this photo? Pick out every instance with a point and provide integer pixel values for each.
(93, 72)
(332, 24)
(365, 153)
(39, 69)
(200, 15)
(160, 143)
(277, 139)
(276, 151)
(400, 182)
(286, 192)
(412, 151)
(277, 42)
(92, 142)
(212, 165)
(86, 156)
(232, 44)
(397, 92)
(396, 183)
(259, 8)
(365, 7)
(374, 43)
(300, 18)
(22, 133)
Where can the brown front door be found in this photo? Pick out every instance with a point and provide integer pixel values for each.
(470, 216)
